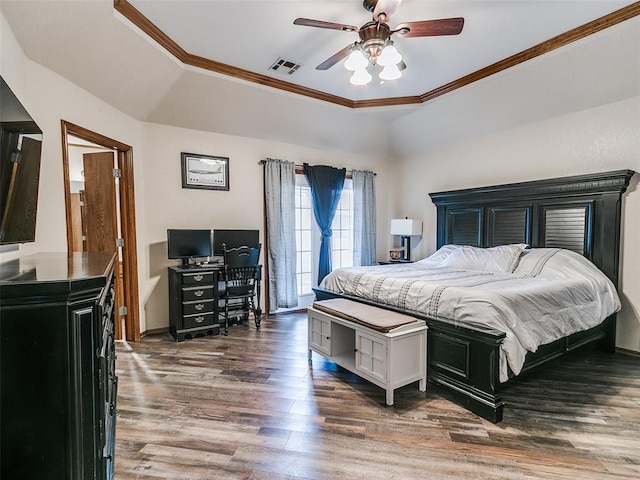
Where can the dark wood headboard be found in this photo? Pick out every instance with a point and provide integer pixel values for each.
(580, 213)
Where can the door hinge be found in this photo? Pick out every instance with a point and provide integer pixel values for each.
(116, 173)
(119, 242)
(122, 311)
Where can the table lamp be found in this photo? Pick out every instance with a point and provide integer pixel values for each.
(406, 228)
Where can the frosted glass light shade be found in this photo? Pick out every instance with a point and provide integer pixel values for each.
(389, 56)
(391, 72)
(406, 227)
(360, 77)
(356, 60)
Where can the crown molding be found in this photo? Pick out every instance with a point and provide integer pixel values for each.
(595, 26)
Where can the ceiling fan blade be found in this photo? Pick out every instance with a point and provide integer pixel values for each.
(388, 7)
(335, 58)
(307, 22)
(432, 28)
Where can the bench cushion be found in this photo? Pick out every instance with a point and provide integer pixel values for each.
(367, 315)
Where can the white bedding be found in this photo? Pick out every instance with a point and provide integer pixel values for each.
(551, 293)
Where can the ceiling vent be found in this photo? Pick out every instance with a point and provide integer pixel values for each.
(286, 67)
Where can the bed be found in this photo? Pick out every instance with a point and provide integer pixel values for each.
(548, 222)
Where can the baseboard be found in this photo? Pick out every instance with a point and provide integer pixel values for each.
(624, 351)
(154, 331)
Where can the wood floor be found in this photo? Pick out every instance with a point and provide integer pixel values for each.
(249, 406)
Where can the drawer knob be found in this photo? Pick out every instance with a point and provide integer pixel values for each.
(199, 319)
(198, 293)
(199, 306)
(198, 278)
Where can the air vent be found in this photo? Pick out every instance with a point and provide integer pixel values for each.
(286, 67)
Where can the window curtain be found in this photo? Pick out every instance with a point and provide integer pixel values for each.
(280, 188)
(364, 218)
(326, 186)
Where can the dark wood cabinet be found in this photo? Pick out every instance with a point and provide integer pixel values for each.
(193, 301)
(58, 384)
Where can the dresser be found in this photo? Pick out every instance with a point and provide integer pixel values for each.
(58, 384)
(193, 301)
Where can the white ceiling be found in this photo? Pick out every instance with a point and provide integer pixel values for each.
(252, 35)
(98, 49)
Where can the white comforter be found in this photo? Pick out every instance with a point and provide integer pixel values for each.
(550, 294)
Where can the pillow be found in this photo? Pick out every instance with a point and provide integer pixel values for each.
(439, 255)
(500, 259)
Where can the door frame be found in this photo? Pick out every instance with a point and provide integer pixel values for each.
(127, 218)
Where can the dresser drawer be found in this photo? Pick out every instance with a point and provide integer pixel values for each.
(197, 278)
(196, 321)
(196, 308)
(192, 294)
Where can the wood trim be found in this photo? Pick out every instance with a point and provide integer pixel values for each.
(127, 210)
(547, 46)
(134, 16)
(67, 184)
(578, 33)
(224, 69)
(130, 260)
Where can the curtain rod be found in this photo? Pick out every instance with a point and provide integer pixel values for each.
(262, 162)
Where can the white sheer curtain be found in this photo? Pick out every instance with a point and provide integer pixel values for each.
(364, 218)
(280, 186)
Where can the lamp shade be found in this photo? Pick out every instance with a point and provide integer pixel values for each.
(406, 227)
(390, 73)
(360, 77)
(356, 60)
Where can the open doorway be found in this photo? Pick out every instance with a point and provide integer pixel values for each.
(100, 212)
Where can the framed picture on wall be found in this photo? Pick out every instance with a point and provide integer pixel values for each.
(205, 171)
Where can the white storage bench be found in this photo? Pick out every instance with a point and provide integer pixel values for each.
(387, 348)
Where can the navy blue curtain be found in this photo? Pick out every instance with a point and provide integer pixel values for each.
(326, 186)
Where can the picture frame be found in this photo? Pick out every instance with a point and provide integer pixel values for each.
(205, 171)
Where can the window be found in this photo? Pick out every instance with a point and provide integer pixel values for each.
(308, 237)
(304, 224)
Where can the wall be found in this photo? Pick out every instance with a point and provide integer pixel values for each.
(49, 98)
(595, 140)
(167, 205)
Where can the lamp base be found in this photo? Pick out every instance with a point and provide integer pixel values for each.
(406, 244)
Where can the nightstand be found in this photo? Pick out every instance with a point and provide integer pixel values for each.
(389, 262)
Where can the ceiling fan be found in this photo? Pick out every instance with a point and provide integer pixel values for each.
(375, 46)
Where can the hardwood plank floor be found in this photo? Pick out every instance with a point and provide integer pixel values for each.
(249, 406)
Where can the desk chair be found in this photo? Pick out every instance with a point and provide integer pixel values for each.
(241, 276)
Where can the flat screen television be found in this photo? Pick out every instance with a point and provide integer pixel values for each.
(234, 238)
(20, 150)
(188, 244)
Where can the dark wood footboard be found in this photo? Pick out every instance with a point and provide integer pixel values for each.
(465, 361)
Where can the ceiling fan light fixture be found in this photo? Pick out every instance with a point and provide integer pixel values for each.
(360, 77)
(392, 72)
(356, 60)
(389, 55)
